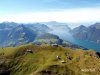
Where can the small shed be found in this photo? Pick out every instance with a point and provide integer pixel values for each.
(54, 45)
(85, 48)
(63, 61)
(57, 57)
(29, 50)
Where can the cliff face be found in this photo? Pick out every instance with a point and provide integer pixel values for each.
(48, 60)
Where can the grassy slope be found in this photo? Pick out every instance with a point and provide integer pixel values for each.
(43, 60)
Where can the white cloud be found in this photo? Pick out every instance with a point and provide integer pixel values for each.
(66, 15)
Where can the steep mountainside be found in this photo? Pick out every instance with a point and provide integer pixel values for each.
(3, 36)
(20, 35)
(80, 32)
(91, 33)
(48, 60)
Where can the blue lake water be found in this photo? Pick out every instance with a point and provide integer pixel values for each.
(84, 43)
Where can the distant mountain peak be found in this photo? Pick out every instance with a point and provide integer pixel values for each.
(98, 23)
(53, 21)
(21, 26)
(82, 26)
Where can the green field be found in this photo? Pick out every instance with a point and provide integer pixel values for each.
(48, 60)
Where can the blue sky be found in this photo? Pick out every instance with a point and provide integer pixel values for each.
(12, 10)
(13, 6)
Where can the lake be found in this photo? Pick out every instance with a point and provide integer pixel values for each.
(87, 44)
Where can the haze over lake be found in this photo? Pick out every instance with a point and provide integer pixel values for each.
(68, 37)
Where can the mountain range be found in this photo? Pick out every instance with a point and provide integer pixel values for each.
(14, 34)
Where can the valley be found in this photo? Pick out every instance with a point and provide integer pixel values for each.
(39, 49)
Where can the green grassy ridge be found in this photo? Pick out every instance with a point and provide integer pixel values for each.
(43, 60)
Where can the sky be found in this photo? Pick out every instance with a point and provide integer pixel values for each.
(69, 11)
